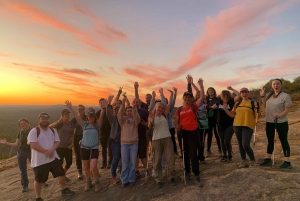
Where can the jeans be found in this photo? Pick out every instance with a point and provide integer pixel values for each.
(22, 161)
(77, 138)
(129, 153)
(116, 150)
(225, 137)
(244, 135)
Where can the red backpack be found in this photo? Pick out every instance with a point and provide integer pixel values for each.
(38, 131)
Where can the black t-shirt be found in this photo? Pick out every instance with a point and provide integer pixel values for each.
(22, 136)
(145, 106)
(78, 128)
(224, 120)
(212, 113)
(105, 127)
(144, 115)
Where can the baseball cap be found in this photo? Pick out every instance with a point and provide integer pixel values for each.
(187, 93)
(91, 113)
(244, 89)
(65, 111)
(44, 114)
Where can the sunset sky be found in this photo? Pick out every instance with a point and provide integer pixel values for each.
(52, 51)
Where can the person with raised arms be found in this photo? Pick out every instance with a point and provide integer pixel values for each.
(243, 125)
(162, 141)
(225, 122)
(24, 151)
(186, 121)
(129, 120)
(65, 129)
(89, 150)
(277, 105)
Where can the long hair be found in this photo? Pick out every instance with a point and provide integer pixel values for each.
(215, 93)
(271, 93)
(227, 95)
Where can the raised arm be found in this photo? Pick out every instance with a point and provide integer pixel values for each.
(238, 95)
(117, 97)
(263, 96)
(136, 90)
(189, 83)
(162, 96)
(77, 117)
(14, 144)
(152, 102)
(57, 123)
(103, 107)
(168, 107)
(202, 96)
(122, 110)
(136, 115)
(174, 98)
(109, 109)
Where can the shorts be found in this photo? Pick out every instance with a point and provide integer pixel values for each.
(142, 146)
(87, 154)
(41, 172)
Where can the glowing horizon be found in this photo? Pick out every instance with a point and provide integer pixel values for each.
(70, 50)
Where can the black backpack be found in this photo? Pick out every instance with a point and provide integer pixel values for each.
(252, 106)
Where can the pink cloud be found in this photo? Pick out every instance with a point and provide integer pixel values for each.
(72, 54)
(6, 55)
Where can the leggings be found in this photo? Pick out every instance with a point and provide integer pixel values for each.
(244, 135)
(282, 130)
(212, 128)
(225, 137)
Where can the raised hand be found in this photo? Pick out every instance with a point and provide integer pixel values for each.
(161, 90)
(172, 92)
(175, 90)
(68, 104)
(124, 95)
(229, 88)
(136, 85)
(262, 92)
(110, 97)
(120, 90)
(189, 79)
(153, 94)
(200, 81)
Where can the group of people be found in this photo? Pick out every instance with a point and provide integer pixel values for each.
(141, 130)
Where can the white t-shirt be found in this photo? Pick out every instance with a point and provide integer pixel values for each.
(160, 128)
(46, 140)
(276, 106)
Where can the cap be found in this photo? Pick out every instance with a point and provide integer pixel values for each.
(65, 111)
(244, 89)
(116, 107)
(91, 113)
(44, 114)
(187, 93)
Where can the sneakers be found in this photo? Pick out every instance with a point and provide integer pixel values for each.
(244, 164)
(38, 199)
(97, 187)
(229, 159)
(147, 174)
(208, 153)
(80, 175)
(197, 180)
(160, 184)
(188, 176)
(252, 164)
(25, 189)
(266, 162)
(137, 174)
(125, 185)
(113, 181)
(224, 159)
(88, 186)
(286, 165)
(67, 191)
(173, 183)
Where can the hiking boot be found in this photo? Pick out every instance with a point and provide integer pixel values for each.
(252, 164)
(67, 191)
(147, 174)
(80, 175)
(229, 159)
(38, 199)
(125, 185)
(266, 162)
(208, 153)
(197, 180)
(25, 189)
(244, 164)
(286, 165)
(224, 159)
(97, 187)
(220, 153)
(160, 184)
(173, 183)
(114, 181)
(137, 174)
(88, 186)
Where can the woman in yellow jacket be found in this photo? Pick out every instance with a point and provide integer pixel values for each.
(243, 125)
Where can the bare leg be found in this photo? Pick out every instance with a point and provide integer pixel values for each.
(62, 182)
(37, 188)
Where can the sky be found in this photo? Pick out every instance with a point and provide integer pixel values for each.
(83, 50)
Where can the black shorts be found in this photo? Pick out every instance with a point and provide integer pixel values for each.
(142, 149)
(41, 172)
(87, 154)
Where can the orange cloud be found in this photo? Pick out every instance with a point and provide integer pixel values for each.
(6, 55)
(72, 54)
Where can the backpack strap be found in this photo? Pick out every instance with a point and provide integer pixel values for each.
(38, 131)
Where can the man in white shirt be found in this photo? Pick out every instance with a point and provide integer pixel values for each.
(44, 159)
